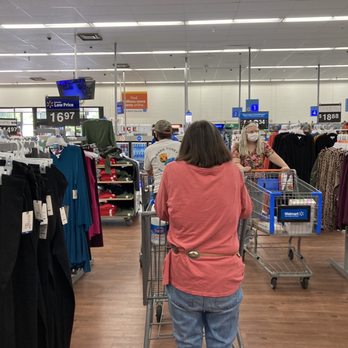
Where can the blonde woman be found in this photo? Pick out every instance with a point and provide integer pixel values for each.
(251, 151)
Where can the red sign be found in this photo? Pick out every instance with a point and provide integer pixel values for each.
(135, 100)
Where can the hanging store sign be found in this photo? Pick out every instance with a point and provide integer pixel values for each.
(252, 105)
(135, 101)
(329, 113)
(63, 111)
(9, 125)
(236, 112)
(314, 111)
(260, 118)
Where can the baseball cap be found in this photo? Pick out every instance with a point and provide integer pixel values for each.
(163, 127)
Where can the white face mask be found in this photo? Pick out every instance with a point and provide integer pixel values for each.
(253, 137)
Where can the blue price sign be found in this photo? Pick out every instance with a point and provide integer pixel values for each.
(252, 105)
(236, 112)
(294, 213)
(346, 105)
(314, 111)
(63, 111)
(260, 118)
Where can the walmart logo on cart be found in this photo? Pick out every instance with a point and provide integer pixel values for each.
(291, 213)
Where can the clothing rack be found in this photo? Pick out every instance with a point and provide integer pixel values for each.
(342, 267)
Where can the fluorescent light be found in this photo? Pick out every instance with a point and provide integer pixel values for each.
(307, 19)
(95, 53)
(206, 51)
(296, 49)
(133, 53)
(23, 26)
(169, 52)
(11, 71)
(62, 54)
(163, 23)
(23, 54)
(239, 50)
(67, 25)
(115, 24)
(257, 20)
(210, 22)
(340, 18)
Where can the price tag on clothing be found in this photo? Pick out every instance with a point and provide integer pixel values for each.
(63, 216)
(37, 209)
(44, 215)
(43, 232)
(49, 206)
(74, 194)
(27, 222)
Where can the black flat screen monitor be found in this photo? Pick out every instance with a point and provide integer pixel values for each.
(84, 89)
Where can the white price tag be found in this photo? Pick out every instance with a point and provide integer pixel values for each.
(37, 209)
(27, 222)
(44, 216)
(43, 232)
(74, 194)
(63, 216)
(49, 206)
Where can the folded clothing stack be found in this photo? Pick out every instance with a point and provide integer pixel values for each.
(101, 161)
(112, 176)
(108, 209)
(106, 195)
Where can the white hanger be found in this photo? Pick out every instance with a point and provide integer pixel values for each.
(56, 139)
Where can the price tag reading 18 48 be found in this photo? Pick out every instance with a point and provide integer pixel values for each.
(63, 111)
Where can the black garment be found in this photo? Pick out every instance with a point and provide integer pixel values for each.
(12, 202)
(324, 141)
(298, 151)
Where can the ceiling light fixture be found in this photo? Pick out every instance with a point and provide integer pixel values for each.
(67, 25)
(257, 20)
(115, 24)
(210, 22)
(163, 23)
(307, 19)
(23, 26)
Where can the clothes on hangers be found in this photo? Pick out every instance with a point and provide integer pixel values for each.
(99, 132)
(36, 296)
(324, 141)
(76, 199)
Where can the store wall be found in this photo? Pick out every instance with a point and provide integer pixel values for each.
(285, 101)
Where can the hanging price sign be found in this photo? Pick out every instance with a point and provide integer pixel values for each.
(329, 113)
(260, 118)
(63, 111)
(9, 125)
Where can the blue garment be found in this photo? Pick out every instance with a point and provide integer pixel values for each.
(217, 315)
(71, 164)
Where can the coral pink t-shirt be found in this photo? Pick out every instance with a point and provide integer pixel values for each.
(203, 207)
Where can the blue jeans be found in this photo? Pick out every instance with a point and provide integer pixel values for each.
(217, 315)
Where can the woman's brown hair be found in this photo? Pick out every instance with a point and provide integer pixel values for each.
(202, 146)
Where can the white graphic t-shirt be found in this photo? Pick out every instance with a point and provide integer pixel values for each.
(158, 155)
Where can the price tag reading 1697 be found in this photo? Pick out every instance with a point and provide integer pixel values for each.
(63, 118)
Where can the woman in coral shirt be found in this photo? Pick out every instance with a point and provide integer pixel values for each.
(203, 196)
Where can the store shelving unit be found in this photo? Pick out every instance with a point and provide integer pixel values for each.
(126, 204)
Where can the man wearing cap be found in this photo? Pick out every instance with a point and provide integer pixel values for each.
(159, 154)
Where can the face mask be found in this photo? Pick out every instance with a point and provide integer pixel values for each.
(253, 137)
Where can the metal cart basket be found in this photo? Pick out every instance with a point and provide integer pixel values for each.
(284, 205)
(154, 249)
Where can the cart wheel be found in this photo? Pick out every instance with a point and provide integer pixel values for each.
(304, 283)
(274, 283)
(291, 254)
(158, 313)
(128, 222)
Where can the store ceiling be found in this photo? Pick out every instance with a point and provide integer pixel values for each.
(208, 66)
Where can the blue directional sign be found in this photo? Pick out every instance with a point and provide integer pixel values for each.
(314, 111)
(120, 109)
(346, 105)
(236, 112)
(252, 105)
(260, 118)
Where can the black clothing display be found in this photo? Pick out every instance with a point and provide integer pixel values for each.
(298, 151)
(36, 296)
(324, 141)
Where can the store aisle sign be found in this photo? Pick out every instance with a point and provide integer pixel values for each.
(252, 105)
(314, 111)
(135, 101)
(9, 125)
(236, 112)
(120, 109)
(329, 113)
(63, 111)
(261, 118)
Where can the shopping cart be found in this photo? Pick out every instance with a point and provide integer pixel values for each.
(284, 205)
(154, 247)
(146, 183)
